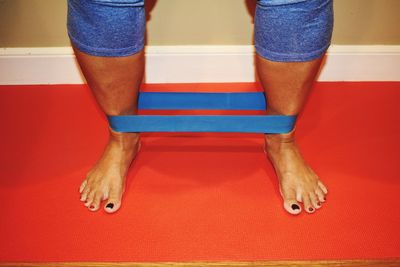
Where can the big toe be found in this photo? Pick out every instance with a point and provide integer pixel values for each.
(289, 202)
(292, 206)
(112, 206)
(114, 202)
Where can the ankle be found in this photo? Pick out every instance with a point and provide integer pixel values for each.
(125, 140)
(276, 141)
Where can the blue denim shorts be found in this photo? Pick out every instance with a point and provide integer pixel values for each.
(285, 30)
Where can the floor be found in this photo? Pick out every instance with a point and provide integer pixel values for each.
(199, 197)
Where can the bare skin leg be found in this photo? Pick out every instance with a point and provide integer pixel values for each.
(114, 82)
(287, 85)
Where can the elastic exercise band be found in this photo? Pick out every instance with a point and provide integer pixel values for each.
(209, 101)
(200, 123)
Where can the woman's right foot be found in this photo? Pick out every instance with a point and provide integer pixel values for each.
(106, 180)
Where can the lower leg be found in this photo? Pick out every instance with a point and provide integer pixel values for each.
(114, 82)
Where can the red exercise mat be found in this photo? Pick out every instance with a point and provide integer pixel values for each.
(195, 197)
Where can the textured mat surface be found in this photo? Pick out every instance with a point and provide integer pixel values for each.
(193, 197)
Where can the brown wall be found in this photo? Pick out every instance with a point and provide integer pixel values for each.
(41, 23)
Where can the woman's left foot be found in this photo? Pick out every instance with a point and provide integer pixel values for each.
(298, 182)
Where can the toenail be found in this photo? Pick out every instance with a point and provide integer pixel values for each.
(319, 203)
(295, 207)
(91, 207)
(110, 205)
(311, 209)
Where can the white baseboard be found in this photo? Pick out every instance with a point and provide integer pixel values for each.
(197, 64)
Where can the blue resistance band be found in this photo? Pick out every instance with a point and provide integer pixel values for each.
(202, 101)
(202, 123)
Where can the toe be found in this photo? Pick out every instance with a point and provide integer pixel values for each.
(89, 199)
(114, 201)
(96, 201)
(314, 200)
(85, 193)
(82, 187)
(323, 187)
(299, 197)
(320, 194)
(292, 207)
(289, 202)
(308, 207)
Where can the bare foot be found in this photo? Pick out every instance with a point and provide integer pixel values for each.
(298, 182)
(106, 180)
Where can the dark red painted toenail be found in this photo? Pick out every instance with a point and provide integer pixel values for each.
(319, 203)
(110, 205)
(295, 207)
(91, 207)
(310, 209)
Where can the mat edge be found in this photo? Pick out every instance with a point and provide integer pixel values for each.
(342, 263)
